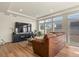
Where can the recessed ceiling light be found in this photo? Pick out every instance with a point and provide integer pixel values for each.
(20, 9)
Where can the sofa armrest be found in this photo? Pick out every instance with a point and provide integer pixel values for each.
(37, 41)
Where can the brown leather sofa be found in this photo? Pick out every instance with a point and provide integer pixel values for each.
(51, 44)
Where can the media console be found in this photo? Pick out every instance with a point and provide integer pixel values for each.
(22, 32)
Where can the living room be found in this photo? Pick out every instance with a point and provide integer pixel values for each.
(27, 28)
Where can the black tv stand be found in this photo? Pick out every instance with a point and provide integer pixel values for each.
(22, 37)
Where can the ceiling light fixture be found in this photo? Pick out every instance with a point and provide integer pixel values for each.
(20, 10)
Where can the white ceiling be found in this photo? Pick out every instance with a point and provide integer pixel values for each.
(4, 6)
(36, 9)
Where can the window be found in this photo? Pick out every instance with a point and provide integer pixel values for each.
(48, 25)
(57, 24)
(41, 26)
(74, 28)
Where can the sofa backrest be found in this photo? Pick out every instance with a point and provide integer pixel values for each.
(51, 37)
(54, 41)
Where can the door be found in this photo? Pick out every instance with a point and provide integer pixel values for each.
(74, 28)
(57, 24)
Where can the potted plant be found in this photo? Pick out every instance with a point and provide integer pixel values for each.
(39, 33)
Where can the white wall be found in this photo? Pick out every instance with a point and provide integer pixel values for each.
(7, 24)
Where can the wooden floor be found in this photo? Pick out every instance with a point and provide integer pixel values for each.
(23, 49)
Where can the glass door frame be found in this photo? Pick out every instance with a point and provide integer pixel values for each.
(66, 29)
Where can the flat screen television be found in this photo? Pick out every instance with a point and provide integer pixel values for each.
(22, 27)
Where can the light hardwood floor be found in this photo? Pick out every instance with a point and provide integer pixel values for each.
(22, 49)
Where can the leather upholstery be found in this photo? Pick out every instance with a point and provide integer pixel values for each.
(51, 44)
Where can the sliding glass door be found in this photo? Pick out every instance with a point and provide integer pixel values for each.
(42, 26)
(74, 28)
(51, 25)
(45, 26)
(57, 24)
(48, 25)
